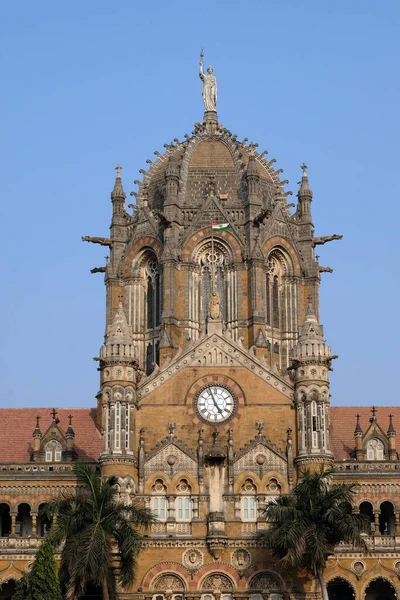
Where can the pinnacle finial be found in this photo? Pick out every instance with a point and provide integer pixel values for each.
(391, 430)
(118, 192)
(358, 426)
(304, 191)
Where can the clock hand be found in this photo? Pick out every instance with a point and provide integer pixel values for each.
(215, 403)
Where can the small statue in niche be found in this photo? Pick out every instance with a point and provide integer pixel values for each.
(215, 306)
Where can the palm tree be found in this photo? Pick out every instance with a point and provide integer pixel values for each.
(306, 525)
(102, 535)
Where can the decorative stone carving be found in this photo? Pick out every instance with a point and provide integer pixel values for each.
(358, 567)
(162, 459)
(249, 462)
(193, 558)
(265, 581)
(241, 559)
(168, 582)
(218, 581)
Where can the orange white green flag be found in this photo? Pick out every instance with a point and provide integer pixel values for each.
(220, 226)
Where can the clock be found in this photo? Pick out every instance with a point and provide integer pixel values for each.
(215, 403)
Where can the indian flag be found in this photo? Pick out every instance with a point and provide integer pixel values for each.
(220, 226)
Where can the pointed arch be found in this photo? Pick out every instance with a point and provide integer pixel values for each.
(281, 294)
(145, 304)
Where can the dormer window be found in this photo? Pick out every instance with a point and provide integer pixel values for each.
(375, 450)
(53, 451)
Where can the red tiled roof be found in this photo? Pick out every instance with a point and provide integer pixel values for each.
(17, 425)
(342, 423)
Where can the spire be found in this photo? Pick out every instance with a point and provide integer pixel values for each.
(358, 430)
(70, 433)
(391, 430)
(118, 191)
(37, 432)
(304, 191)
(304, 196)
(311, 343)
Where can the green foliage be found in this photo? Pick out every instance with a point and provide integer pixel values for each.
(97, 528)
(43, 579)
(42, 582)
(22, 589)
(306, 525)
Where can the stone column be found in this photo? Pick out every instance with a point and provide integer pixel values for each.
(13, 523)
(34, 524)
(237, 507)
(195, 508)
(376, 517)
(397, 522)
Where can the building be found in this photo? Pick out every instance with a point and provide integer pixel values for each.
(214, 387)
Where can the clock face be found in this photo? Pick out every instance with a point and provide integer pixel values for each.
(215, 404)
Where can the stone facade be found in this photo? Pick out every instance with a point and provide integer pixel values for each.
(204, 416)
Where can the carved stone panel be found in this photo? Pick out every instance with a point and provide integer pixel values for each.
(171, 460)
(241, 559)
(217, 581)
(252, 462)
(168, 582)
(265, 581)
(193, 558)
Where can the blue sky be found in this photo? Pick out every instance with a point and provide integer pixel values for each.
(89, 84)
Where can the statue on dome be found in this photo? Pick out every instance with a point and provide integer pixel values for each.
(209, 86)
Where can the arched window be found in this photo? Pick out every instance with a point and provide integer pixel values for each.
(153, 310)
(248, 501)
(159, 500)
(53, 451)
(375, 450)
(183, 502)
(212, 260)
(272, 307)
(315, 424)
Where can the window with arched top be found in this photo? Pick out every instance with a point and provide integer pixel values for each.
(183, 502)
(153, 309)
(53, 451)
(159, 500)
(213, 269)
(248, 501)
(212, 261)
(375, 450)
(273, 278)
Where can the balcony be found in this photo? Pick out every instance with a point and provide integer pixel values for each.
(36, 469)
(171, 529)
(353, 466)
(375, 543)
(19, 543)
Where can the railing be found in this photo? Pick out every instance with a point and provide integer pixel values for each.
(177, 529)
(366, 466)
(19, 542)
(374, 543)
(35, 468)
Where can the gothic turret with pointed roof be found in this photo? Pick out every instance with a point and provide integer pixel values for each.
(311, 362)
(117, 395)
